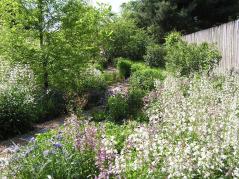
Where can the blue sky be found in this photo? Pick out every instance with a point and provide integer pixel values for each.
(114, 3)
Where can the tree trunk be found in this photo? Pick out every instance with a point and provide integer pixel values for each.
(42, 46)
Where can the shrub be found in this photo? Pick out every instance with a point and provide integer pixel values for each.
(117, 108)
(135, 101)
(17, 101)
(155, 56)
(92, 80)
(50, 105)
(124, 67)
(184, 58)
(89, 91)
(99, 116)
(102, 63)
(112, 77)
(126, 40)
(138, 66)
(144, 79)
(116, 60)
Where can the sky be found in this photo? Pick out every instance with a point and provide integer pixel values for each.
(114, 3)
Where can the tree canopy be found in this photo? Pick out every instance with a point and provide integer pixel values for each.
(162, 16)
(55, 37)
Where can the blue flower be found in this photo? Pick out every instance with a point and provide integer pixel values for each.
(57, 145)
(32, 139)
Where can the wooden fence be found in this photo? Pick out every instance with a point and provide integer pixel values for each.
(226, 38)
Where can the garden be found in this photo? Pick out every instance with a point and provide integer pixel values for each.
(136, 105)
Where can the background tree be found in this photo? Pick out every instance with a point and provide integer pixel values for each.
(162, 16)
(55, 37)
(27, 29)
(126, 40)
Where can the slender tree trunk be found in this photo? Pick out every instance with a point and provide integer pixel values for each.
(42, 46)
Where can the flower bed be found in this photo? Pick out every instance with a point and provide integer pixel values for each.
(192, 132)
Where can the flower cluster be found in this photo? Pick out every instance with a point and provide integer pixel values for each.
(193, 131)
(18, 104)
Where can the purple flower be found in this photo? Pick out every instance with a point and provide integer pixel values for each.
(32, 139)
(57, 145)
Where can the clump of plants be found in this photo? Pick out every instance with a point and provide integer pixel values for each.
(112, 77)
(145, 78)
(124, 67)
(50, 104)
(89, 91)
(135, 101)
(126, 40)
(17, 101)
(56, 154)
(117, 107)
(155, 55)
(183, 58)
(121, 107)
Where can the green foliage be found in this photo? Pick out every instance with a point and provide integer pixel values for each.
(144, 79)
(119, 132)
(112, 77)
(91, 81)
(102, 63)
(135, 101)
(89, 91)
(52, 154)
(56, 38)
(121, 107)
(17, 101)
(50, 105)
(155, 56)
(22, 103)
(117, 108)
(99, 116)
(184, 58)
(124, 67)
(116, 60)
(138, 66)
(126, 40)
(16, 113)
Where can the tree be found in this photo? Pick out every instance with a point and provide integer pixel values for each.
(126, 40)
(163, 16)
(78, 43)
(55, 37)
(26, 31)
